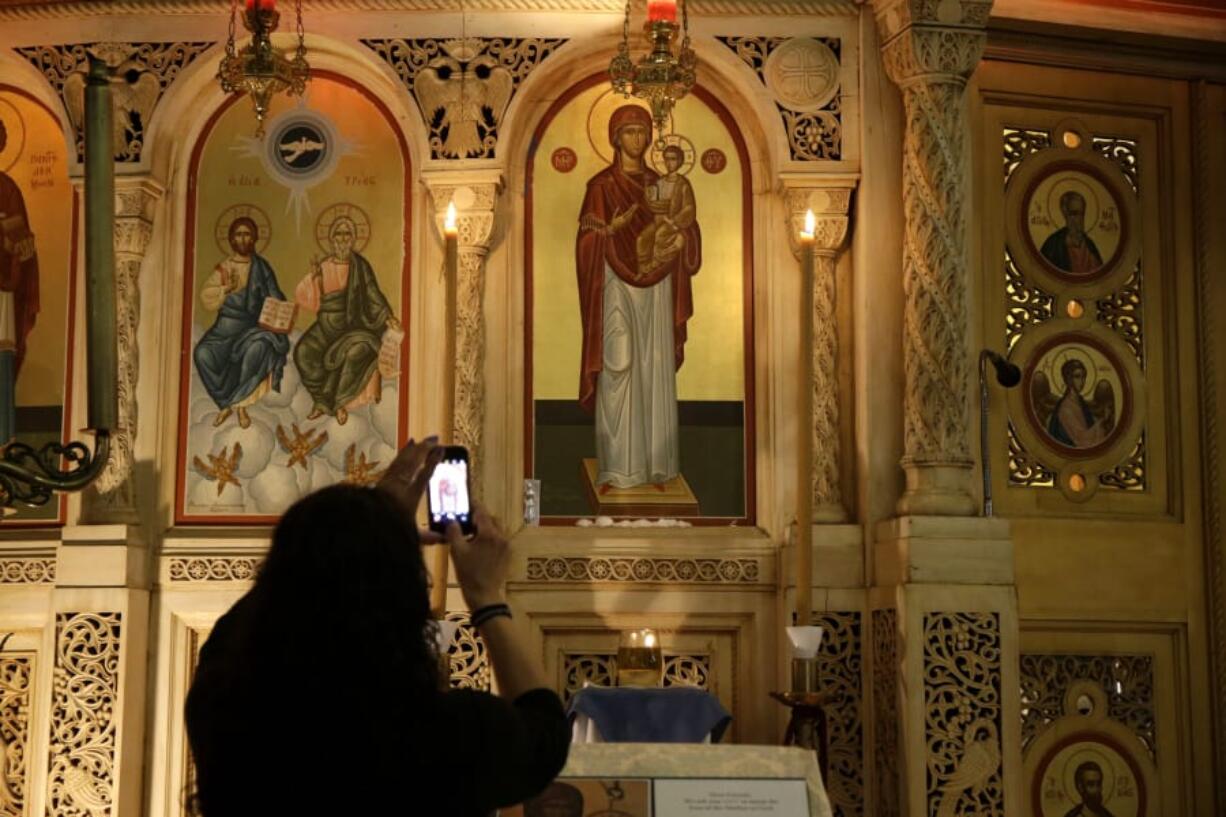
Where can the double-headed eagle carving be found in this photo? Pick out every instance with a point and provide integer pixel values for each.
(134, 92)
(471, 90)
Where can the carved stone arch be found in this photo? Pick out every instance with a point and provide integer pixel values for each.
(582, 57)
(19, 73)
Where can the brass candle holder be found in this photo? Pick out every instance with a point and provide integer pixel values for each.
(640, 661)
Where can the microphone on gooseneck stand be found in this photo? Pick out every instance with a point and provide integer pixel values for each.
(1008, 375)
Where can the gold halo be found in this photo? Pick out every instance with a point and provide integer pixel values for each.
(361, 223)
(1057, 362)
(15, 126)
(221, 230)
(655, 156)
(598, 117)
(1073, 183)
(1104, 764)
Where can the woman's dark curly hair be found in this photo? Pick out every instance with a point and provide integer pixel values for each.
(338, 617)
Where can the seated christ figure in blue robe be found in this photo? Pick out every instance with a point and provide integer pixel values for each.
(238, 360)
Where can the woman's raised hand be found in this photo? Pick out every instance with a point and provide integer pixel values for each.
(406, 478)
(481, 563)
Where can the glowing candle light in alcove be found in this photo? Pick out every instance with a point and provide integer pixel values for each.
(661, 11)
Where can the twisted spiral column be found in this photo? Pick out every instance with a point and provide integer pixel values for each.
(830, 206)
(476, 203)
(135, 200)
(929, 50)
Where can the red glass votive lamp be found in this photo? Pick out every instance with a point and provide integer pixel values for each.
(662, 11)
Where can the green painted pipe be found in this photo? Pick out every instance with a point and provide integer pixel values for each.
(102, 351)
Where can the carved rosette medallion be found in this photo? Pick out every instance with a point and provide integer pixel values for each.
(142, 73)
(85, 694)
(463, 86)
(962, 714)
(27, 570)
(802, 75)
(213, 568)
(642, 569)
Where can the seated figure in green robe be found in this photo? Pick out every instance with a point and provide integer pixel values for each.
(338, 355)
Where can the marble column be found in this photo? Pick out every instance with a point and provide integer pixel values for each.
(112, 496)
(829, 201)
(476, 197)
(930, 49)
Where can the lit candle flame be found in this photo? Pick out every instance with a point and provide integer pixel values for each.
(649, 639)
(810, 225)
(449, 221)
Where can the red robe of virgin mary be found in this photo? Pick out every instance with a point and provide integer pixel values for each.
(611, 193)
(17, 276)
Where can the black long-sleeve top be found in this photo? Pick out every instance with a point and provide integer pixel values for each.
(322, 744)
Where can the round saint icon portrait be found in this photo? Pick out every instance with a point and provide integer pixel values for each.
(14, 141)
(1071, 222)
(1076, 396)
(1088, 775)
(1073, 219)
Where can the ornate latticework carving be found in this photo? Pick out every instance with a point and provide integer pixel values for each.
(85, 692)
(599, 669)
(467, 656)
(1025, 470)
(463, 87)
(1020, 143)
(1128, 681)
(1121, 310)
(143, 73)
(32, 570)
(885, 709)
(839, 672)
(1130, 474)
(962, 714)
(213, 568)
(630, 569)
(1121, 151)
(930, 64)
(686, 670)
(812, 135)
(16, 672)
(1025, 305)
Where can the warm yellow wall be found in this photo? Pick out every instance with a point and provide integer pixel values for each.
(35, 158)
(714, 354)
(371, 177)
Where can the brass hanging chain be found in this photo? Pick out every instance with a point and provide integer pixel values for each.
(230, 52)
(626, 28)
(301, 31)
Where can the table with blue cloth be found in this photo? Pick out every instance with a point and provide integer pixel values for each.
(646, 715)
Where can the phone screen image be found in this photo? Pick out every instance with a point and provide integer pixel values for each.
(449, 493)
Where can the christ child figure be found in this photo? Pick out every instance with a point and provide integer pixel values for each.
(671, 200)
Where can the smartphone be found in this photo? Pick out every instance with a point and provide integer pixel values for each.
(448, 492)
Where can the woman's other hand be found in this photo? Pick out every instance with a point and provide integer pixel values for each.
(406, 478)
(481, 563)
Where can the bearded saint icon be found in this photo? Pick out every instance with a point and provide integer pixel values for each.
(463, 95)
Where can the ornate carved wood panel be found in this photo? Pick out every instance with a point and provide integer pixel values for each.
(16, 676)
(85, 693)
(24, 570)
(467, 656)
(885, 712)
(600, 669)
(642, 569)
(839, 667)
(1126, 680)
(962, 714)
